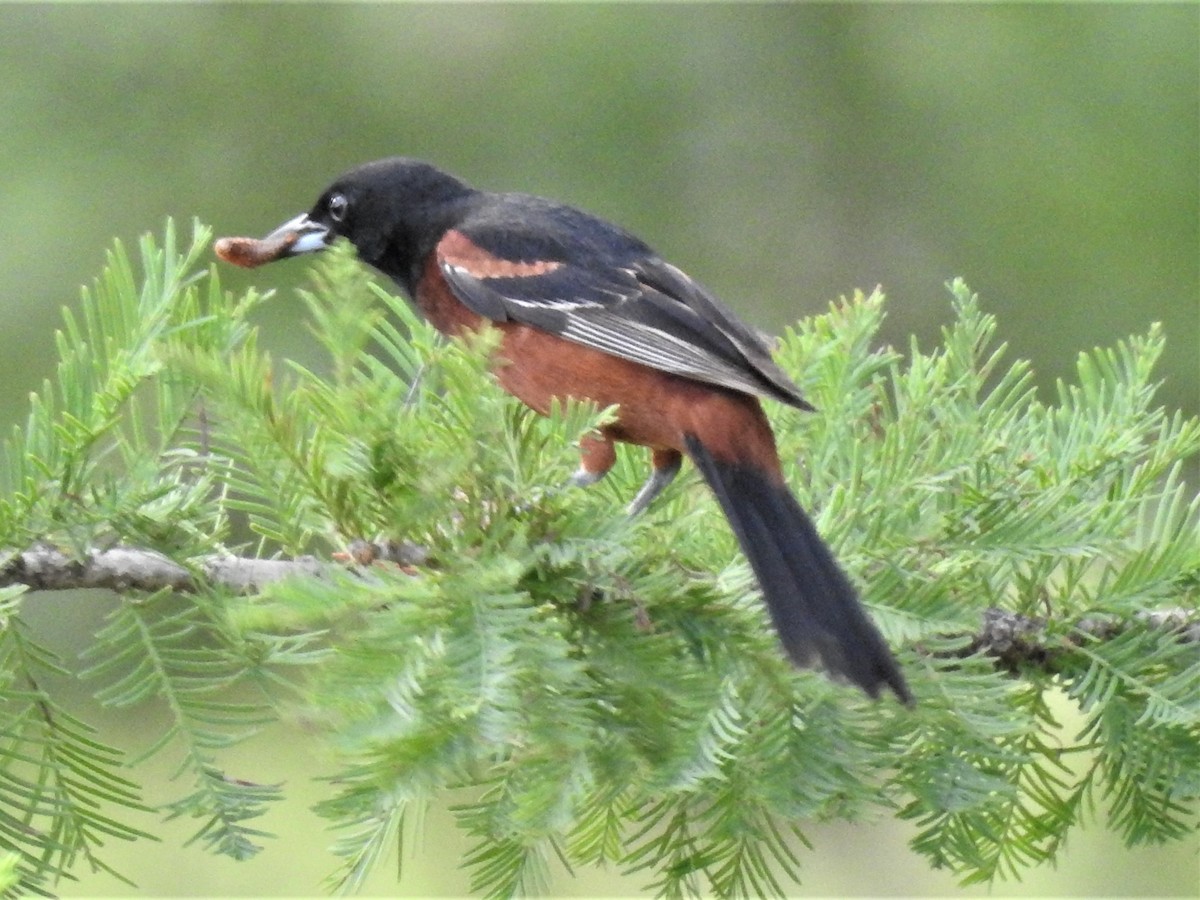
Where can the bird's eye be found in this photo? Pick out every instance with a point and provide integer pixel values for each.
(338, 204)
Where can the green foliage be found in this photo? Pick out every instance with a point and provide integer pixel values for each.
(148, 650)
(592, 689)
(57, 779)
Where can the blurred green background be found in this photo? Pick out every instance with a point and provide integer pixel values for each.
(782, 154)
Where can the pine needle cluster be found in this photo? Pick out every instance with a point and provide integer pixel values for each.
(595, 689)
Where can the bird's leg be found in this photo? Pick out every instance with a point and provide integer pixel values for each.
(596, 456)
(666, 465)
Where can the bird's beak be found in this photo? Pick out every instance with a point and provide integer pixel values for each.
(299, 235)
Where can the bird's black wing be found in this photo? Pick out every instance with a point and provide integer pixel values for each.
(613, 297)
(682, 292)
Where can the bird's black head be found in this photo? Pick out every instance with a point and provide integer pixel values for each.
(393, 211)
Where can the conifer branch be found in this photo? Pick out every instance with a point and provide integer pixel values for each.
(1018, 641)
(136, 569)
(1012, 639)
(609, 689)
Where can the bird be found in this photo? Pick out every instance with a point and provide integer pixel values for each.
(588, 311)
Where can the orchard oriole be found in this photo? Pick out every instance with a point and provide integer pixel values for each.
(588, 311)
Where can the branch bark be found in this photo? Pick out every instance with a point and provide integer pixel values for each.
(1015, 640)
(121, 569)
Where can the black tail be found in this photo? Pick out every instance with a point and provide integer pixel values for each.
(815, 608)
